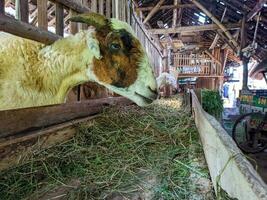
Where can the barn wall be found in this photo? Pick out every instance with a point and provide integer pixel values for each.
(228, 167)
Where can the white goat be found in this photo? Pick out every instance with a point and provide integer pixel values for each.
(32, 74)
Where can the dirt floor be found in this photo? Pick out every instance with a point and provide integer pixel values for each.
(126, 153)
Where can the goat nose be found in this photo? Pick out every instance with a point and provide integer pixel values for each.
(155, 92)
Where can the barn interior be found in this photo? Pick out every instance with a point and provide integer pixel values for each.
(209, 58)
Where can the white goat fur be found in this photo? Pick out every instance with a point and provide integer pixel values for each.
(166, 79)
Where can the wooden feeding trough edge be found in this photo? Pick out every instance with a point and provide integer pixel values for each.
(24, 130)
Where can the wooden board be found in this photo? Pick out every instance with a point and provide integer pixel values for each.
(16, 149)
(21, 121)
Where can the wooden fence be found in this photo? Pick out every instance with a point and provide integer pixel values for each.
(195, 65)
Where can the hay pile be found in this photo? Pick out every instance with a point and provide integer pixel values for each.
(126, 153)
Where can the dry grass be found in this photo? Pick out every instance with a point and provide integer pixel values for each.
(128, 152)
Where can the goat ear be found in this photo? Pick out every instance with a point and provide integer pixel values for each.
(100, 22)
(93, 45)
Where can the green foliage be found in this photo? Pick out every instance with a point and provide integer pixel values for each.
(212, 102)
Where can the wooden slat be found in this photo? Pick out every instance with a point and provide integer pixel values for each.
(108, 8)
(59, 19)
(22, 10)
(184, 29)
(25, 30)
(74, 5)
(73, 25)
(94, 5)
(101, 7)
(2, 6)
(24, 120)
(42, 14)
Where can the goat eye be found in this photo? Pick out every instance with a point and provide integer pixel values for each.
(114, 46)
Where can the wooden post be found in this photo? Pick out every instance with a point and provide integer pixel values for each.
(42, 14)
(244, 59)
(101, 7)
(22, 10)
(108, 9)
(2, 6)
(59, 19)
(94, 5)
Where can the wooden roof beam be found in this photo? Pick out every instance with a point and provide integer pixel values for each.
(184, 29)
(167, 7)
(216, 21)
(153, 11)
(256, 9)
(175, 13)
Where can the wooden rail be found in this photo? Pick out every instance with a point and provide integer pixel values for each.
(24, 120)
(196, 65)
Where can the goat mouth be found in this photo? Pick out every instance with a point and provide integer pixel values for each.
(146, 99)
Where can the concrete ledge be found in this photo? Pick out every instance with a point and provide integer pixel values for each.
(228, 166)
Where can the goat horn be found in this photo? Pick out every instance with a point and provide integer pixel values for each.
(92, 19)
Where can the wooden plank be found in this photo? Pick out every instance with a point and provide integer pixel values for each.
(167, 7)
(59, 19)
(22, 10)
(29, 119)
(42, 14)
(153, 11)
(13, 148)
(101, 7)
(2, 6)
(256, 9)
(94, 5)
(74, 5)
(108, 8)
(22, 29)
(184, 29)
(73, 25)
(175, 13)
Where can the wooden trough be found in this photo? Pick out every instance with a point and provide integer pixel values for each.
(229, 168)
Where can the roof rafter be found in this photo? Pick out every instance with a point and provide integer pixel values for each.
(153, 11)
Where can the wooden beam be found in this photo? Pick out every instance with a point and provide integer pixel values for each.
(74, 5)
(29, 119)
(212, 57)
(59, 19)
(42, 14)
(167, 7)
(183, 29)
(216, 38)
(175, 13)
(153, 11)
(13, 148)
(256, 9)
(216, 21)
(25, 30)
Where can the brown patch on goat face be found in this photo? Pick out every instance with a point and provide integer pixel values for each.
(121, 55)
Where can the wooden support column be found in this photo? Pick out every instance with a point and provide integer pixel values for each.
(244, 59)
(42, 14)
(2, 6)
(59, 19)
(22, 10)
